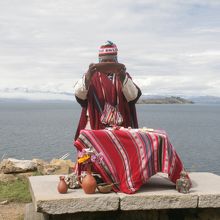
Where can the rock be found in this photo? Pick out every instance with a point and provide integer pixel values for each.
(48, 169)
(55, 166)
(31, 214)
(40, 164)
(5, 178)
(66, 166)
(24, 176)
(48, 200)
(12, 165)
(4, 202)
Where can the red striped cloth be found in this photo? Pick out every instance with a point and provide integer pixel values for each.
(131, 156)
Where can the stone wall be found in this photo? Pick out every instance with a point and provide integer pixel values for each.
(166, 214)
(171, 214)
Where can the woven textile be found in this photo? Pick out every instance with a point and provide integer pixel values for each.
(111, 116)
(131, 156)
(109, 48)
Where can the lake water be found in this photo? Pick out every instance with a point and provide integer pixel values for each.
(46, 130)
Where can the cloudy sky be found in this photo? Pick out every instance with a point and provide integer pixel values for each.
(169, 47)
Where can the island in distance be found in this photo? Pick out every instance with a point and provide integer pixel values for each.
(163, 100)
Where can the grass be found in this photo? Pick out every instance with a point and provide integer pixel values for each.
(15, 191)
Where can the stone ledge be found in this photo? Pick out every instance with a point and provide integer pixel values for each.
(47, 199)
(207, 187)
(158, 193)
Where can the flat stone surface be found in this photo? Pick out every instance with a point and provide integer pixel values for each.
(158, 193)
(207, 187)
(47, 199)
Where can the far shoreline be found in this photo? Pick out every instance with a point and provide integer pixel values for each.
(144, 99)
(164, 100)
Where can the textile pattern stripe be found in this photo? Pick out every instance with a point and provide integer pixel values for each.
(131, 156)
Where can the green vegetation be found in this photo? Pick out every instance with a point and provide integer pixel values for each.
(16, 191)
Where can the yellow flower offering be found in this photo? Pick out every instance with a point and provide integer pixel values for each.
(84, 158)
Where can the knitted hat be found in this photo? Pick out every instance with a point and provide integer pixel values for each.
(108, 51)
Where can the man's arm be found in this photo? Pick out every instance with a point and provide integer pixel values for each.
(129, 89)
(81, 92)
(80, 89)
(82, 86)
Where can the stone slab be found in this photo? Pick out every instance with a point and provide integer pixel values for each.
(47, 199)
(30, 214)
(207, 187)
(158, 193)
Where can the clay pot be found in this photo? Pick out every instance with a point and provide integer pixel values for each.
(62, 186)
(88, 182)
(109, 67)
(105, 187)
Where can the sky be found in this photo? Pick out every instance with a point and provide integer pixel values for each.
(169, 47)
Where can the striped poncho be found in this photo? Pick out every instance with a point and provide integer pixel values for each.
(131, 156)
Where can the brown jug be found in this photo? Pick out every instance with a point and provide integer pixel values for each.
(62, 186)
(88, 183)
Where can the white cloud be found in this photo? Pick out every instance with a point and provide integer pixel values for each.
(167, 46)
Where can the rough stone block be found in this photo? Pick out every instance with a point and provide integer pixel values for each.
(12, 165)
(158, 193)
(47, 199)
(207, 187)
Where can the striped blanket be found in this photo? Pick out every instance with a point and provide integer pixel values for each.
(131, 156)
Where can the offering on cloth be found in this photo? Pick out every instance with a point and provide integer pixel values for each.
(104, 187)
(109, 67)
(131, 156)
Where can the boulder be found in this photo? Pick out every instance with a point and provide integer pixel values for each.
(57, 167)
(12, 165)
(40, 164)
(5, 178)
(48, 169)
(24, 176)
(67, 166)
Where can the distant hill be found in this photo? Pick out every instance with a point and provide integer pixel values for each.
(163, 100)
(144, 99)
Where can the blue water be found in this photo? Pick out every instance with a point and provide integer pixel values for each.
(46, 130)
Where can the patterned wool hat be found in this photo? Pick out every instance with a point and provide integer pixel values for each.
(108, 51)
